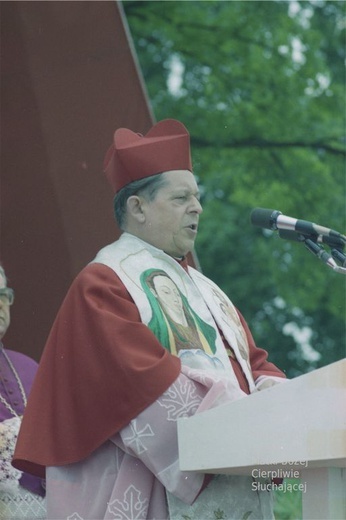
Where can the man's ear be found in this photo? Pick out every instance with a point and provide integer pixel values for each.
(135, 208)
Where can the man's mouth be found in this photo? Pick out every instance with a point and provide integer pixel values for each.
(193, 227)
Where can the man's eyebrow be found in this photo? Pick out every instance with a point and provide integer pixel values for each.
(187, 191)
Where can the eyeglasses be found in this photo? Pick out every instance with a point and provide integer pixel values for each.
(7, 296)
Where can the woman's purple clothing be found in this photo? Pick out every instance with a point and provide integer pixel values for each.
(9, 389)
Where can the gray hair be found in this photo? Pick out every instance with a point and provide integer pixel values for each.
(147, 188)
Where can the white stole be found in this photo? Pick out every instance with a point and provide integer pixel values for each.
(130, 257)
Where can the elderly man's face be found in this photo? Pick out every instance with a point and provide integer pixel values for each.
(171, 219)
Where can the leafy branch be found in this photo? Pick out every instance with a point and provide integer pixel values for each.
(263, 143)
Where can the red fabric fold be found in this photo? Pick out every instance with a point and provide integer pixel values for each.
(100, 368)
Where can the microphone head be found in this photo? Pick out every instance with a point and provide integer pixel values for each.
(265, 218)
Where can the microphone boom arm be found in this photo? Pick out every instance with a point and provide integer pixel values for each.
(323, 255)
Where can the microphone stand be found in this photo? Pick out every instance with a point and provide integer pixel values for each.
(318, 250)
(335, 243)
(339, 256)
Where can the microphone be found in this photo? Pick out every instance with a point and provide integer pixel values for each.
(331, 241)
(339, 257)
(336, 245)
(274, 219)
(320, 253)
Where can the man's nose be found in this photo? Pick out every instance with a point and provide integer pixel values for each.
(196, 207)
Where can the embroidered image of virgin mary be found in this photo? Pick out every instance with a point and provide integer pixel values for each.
(232, 318)
(173, 322)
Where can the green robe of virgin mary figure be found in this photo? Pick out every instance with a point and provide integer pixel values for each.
(174, 336)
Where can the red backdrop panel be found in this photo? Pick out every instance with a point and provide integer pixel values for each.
(69, 78)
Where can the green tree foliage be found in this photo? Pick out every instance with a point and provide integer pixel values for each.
(261, 88)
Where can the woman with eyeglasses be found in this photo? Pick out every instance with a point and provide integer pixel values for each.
(21, 494)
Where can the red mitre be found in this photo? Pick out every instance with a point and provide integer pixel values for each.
(133, 156)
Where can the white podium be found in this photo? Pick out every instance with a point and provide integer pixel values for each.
(299, 425)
